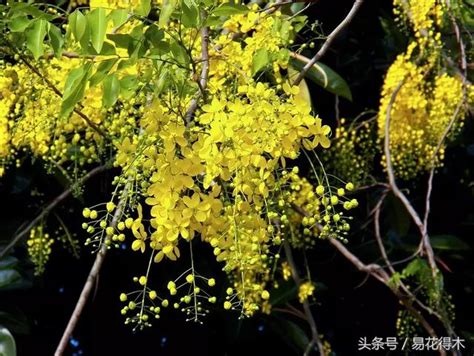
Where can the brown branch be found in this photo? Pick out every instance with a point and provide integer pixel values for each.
(398, 193)
(47, 209)
(57, 91)
(204, 75)
(435, 153)
(453, 118)
(322, 51)
(377, 272)
(91, 279)
(378, 236)
(389, 265)
(315, 340)
(296, 313)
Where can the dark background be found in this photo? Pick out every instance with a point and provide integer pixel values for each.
(347, 305)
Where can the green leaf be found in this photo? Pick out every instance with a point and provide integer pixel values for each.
(102, 70)
(19, 24)
(179, 53)
(285, 30)
(22, 8)
(296, 7)
(212, 21)
(78, 24)
(123, 63)
(120, 40)
(108, 49)
(159, 49)
(15, 320)
(260, 60)
(154, 35)
(325, 77)
(7, 343)
(9, 277)
(111, 90)
(291, 333)
(167, 9)
(128, 86)
(448, 242)
(74, 88)
(118, 17)
(144, 8)
(35, 35)
(97, 21)
(56, 39)
(161, 82)
(414, 267)
(8, 262)
(190, 17)
(230, 9)
(304, 90)
(284, 293)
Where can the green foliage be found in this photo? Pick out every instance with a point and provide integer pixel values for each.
(97, 22)
(7, 343)
(325, 77)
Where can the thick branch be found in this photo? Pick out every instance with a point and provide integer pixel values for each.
(322, 51)
(91, 278)
(45, 210)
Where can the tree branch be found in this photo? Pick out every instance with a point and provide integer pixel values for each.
(307, 310)
(45, 210)
(398, 193)
(204, 75)
(377, 272)
(91, 279)
(58, 92)
(322, 51)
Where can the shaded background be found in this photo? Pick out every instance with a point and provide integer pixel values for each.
(347, 306)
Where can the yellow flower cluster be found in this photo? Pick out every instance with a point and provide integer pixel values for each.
(352, 152)
(305, 291)
(39, 248)
(215, 181)
(316, 209)
(263, 36)
(217, 174)
(6, 99)
(423, 15)
(114, 4)
(29, 118)
(428, 98)
(286, 270)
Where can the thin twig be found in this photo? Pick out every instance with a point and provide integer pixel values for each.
(45, 210)
(204, 75)
(91, 279)
(453, 118)
(433, 158)
(389, 265)
(377, 272)
(322, 51)
(307, 310)
(378, 235)
(398, 193)
(57, 91)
